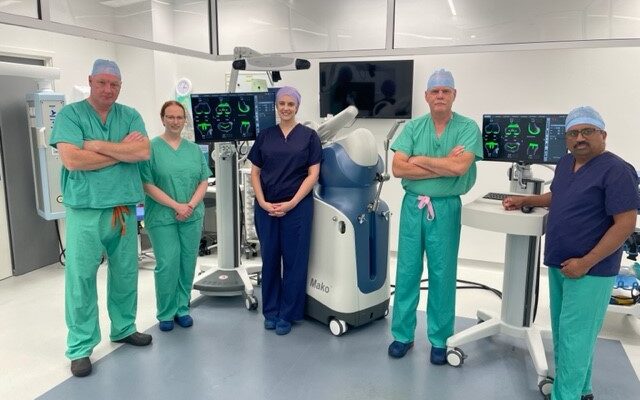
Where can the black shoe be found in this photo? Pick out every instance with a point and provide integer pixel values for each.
(587, 397)
(81, 367)
(136, 339)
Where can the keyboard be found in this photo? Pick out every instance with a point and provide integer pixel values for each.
(496, 196)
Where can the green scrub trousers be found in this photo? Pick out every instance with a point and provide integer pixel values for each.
(578, 307)
(440, 239)
(177, 172)
(89, 235)
(175, 247)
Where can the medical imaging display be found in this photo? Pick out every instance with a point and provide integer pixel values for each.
(379, 89)
(231, 117)
(523, 138)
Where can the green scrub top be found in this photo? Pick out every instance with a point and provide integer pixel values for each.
(177, 173)
(418, 138)
(115, 185)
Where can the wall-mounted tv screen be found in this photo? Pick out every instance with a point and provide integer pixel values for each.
(379, 89)
(231, 117)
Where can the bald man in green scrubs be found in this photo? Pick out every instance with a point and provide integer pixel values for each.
(435, 156)
(100, 144)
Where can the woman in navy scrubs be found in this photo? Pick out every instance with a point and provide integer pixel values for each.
(286, 164)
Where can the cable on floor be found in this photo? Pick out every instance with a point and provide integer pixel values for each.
(470, 285)
(61, 256)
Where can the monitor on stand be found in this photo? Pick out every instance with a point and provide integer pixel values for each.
(524, 139)
(221, 120)
(231, 117)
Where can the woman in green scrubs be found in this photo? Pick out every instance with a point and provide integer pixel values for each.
(175, 182)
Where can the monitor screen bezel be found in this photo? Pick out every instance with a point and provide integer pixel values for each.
(407, 69)
(198, 137)
(523, 115)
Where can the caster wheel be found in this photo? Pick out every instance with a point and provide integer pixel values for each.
(251, 302)
(337, 327)
(455, 357)
(386, 312)
(545, 386)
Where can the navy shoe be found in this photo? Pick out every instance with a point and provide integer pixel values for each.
(270, 323)
(165, 326)
(184, 321)
(438, 356)
(283, 327)
(81, 367)
(587, 397)
(399, 349)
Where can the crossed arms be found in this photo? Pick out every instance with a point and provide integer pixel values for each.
(456, 163)
(97, 154)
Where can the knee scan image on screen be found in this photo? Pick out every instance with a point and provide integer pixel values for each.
(231, 117)
(524, 138)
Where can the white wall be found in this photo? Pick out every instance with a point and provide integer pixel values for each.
(541, 81)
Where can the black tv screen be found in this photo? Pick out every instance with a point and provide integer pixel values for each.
(231, 117)
(379, 89)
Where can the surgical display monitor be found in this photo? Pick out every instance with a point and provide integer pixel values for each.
(523, 138)
(231, 117)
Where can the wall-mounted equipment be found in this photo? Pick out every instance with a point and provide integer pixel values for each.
(42, 109)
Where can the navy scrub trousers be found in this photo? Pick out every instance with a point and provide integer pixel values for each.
(284, 245)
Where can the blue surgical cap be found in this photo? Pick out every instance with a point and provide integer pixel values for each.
(583, 115)
(441, 77)
(105, 67)
(289, 91)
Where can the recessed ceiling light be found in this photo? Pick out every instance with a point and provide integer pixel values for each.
(120, 3)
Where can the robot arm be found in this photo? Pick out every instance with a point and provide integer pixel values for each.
(328, 129)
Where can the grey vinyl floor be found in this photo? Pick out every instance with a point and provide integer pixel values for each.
(228, 355)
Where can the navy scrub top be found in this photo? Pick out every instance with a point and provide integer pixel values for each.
(583, 204)
(284, 162)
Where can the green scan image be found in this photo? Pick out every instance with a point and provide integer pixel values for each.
(492, 128)
(512, 147)
(203, 108)
(204, 126)
(225, 126)
(533, 128)
(532, 149)
(512, 129)
(491, 145)
(223, 108)
(244, 127)
(243, 107)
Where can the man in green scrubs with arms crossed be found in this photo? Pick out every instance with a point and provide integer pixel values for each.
(435, 156)
(100, 143)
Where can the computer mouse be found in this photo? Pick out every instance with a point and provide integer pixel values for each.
(526, 209)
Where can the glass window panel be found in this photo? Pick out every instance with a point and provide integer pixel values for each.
(28, 8)
(277, 26)
(428, 23)
(183, 23)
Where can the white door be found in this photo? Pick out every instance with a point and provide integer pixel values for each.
(6, 269)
